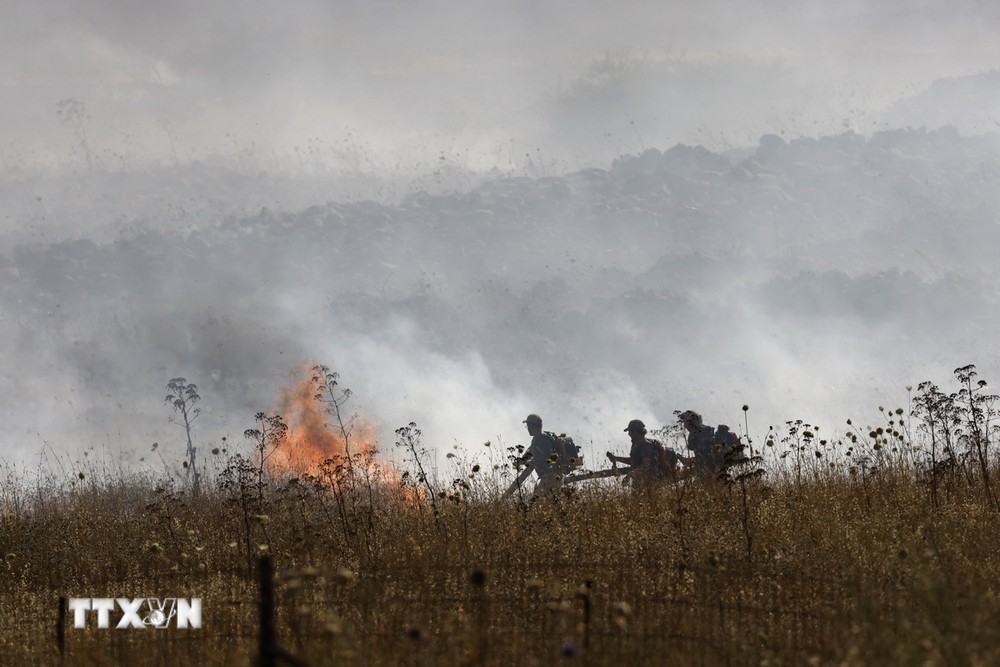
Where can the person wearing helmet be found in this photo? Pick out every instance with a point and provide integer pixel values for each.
(540, 456)
(701, 443)
(649, 460)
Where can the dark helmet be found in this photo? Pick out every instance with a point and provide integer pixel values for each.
(689, 417)
(635, 425)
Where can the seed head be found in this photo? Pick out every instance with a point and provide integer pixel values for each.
(569, 651)
(622, 608)
(344, 576)
(415, 633)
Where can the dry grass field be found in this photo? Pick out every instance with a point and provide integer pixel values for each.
(873, 549)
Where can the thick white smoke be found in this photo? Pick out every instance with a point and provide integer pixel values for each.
(593, 212)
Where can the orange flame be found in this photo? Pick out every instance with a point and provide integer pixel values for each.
(312, 438)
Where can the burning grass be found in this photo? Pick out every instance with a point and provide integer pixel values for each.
(889, 559)
(307, 406)
(841, 572)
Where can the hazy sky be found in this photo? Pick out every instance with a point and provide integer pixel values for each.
(390, 81)
(289, 94)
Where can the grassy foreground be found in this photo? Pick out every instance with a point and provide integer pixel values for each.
(876, 567)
